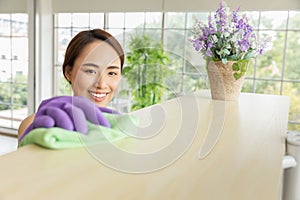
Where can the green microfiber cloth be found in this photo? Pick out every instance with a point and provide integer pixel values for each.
(58, 138)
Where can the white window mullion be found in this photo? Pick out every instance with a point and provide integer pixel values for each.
(44, 68)
(31, 60)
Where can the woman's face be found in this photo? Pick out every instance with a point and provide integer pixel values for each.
(96, 73)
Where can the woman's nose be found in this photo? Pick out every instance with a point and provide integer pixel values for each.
(101, 82)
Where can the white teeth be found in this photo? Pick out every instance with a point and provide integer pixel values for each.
(98, 95)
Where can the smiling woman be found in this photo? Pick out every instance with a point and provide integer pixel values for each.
(96, 83)
(96, 72)
(93, 64)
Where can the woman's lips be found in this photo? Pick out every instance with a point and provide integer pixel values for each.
(98, 96)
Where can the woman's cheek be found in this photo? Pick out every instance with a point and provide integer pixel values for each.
(85, 80)
(117, 82)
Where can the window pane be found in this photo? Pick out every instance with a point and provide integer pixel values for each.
(191, 56)
(253, 17)
(292, 69)
(80, 20)
(63, 36)
(116, 32)
(192, 83)
(19, 25)
(248, 85)
(5, 70)
(269, 65)
(267, 87)
(5, 50)
(13, 68)
(293, 91)
(273, 20)
(127, 37)
(17, 52)
(154, 33)
(64, 20)
(18, 116)
(251, 72)
(5, 116)
(5, 95)
(197, 68)
(19, 68)
(133, 20)
(116, 20)
(174, 44)
(19, 92)
(75, 31)
(294, 126)
(64, 87)
(153, 20)
(119, 35)
(97, 20)
(294, 21)
(175, 41)
(5, 25)
(192, 17)
(175, 20)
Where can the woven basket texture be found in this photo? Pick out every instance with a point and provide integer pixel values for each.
(223, 85)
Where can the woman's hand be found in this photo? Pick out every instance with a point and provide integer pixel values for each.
(70, 113)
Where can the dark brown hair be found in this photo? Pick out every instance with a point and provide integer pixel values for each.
(84, 38)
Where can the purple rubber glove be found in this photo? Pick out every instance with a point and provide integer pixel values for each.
(70, 113)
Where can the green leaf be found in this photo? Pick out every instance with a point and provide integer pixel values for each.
(236, 76)
(224, 61)
(235, 67)
(226, 51)
(240, 68)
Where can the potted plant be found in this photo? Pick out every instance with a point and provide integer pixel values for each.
(146, 68)
(227, 42)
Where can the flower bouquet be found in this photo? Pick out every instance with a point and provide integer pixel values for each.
(227, 40)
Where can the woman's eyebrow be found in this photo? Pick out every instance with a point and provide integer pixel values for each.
(90, 65)
(113, 67)
(96, 66)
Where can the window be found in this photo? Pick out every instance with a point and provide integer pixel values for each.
(67, 25)
(276, 72)
(13, 69)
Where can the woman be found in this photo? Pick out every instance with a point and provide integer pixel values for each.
(93, 64)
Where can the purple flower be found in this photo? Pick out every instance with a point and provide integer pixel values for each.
(197, 44)
(208, 52)
(235, 15)
(221, 17)
(208, 45)
(244, 45)
(211, 28)
(226, 36)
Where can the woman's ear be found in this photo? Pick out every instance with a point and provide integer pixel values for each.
(68, 73)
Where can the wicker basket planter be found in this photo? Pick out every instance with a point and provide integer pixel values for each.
(223, 85)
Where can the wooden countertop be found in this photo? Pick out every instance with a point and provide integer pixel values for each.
(193, 148)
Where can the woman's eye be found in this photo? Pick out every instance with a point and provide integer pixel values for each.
(90, 71)
(112, 73)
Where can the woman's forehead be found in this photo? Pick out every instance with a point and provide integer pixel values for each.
(100, 53)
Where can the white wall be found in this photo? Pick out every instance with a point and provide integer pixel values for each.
(150, 5)
(169, 5)
(9, 6)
